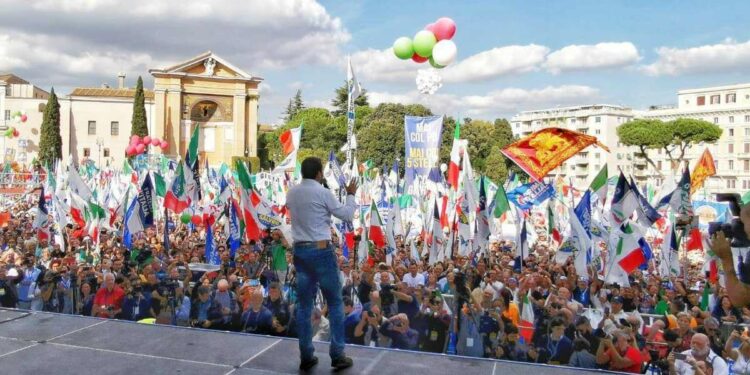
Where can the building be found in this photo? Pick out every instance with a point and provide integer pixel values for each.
(599, 120)
(207, 92)
(726, 106)
(95, 123)
(18, 95)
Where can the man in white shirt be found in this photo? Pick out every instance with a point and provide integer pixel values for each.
(413, 278)
(700, 350)
(310, 206)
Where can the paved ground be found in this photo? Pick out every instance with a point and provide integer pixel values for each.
(42, 343)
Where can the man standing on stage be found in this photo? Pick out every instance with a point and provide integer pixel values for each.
(311, 206)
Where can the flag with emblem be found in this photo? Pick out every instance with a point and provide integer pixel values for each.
(176, 198)
(704, 169)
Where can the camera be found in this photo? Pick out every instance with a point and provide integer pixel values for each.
(734, 230)
(386, 294)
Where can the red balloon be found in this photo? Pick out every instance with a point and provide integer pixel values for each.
(146, 140)
(15, 132)
(139, 148)
(164, 145)
(419, 59)
(155, 142)
(196, 220)
(134, 139)
(130, 151)
(24, 118)
(444, 28)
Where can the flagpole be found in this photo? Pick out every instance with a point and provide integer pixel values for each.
(349, 115)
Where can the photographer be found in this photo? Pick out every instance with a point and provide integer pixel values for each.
(397, 329)
(135, 306)
(204, 312)
(740, 355)
(432, 323)
(108, 300)
(279, 309)
(686, 363)
(406, 301)
(366, 331)
(8, 293)
(739, 292)
(619, 353)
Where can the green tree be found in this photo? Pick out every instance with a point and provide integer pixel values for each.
(380, 135)
(139, 123)
(502, 136)
(340, 100)
(686, 132)
(289, 112)
(495, 166)
(298, 104)
(50, 141)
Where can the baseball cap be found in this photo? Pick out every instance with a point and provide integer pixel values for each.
(617, 299)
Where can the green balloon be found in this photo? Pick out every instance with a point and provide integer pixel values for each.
(185, 218)
(423, 43)
(435, 65)
(403, 48)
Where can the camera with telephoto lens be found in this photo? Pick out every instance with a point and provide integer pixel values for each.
(735, 229)
(386, 294)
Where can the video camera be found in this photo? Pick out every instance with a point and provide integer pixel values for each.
(734, 230)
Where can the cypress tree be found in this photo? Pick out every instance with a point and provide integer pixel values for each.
(139, 122)
(50, 141)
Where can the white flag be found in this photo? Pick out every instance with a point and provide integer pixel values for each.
(355, 90)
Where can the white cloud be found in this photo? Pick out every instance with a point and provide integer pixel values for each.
(497, 62)
(494, 103)
(727, 56)
(592, 56)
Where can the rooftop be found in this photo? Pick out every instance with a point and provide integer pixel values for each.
(715, 88)
(12, 78)
(109, 93)
(569, 111)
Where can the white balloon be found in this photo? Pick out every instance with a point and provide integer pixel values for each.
(444, 52)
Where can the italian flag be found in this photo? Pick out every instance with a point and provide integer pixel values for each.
(290, 140)
(526, 326)
(551, 225)
(176, 198)
(375, 232)
(629, 251)
(453, 168)
(599, 185)
(248, 202)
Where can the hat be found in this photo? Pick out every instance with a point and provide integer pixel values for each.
(617, 299)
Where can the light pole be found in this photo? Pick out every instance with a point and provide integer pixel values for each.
(100, 143)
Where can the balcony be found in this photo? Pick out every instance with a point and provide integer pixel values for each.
(581, 171)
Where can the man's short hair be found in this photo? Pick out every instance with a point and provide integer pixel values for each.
(310, 167)
(348, 301)
(204, 290)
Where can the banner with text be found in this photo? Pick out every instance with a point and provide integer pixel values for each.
(422, 143)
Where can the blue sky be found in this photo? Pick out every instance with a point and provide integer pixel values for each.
(513, 55)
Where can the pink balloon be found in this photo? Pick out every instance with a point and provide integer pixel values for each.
(444, 28)
(155, 142)
(430, 27)
(164, 145)
(24, 118)
(418, 59)
(139, 148)
(130, 151)
(135, 139)
(146, 140)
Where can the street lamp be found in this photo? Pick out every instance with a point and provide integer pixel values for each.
(100, 143)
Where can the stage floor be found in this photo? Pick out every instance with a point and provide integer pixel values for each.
(42, 343)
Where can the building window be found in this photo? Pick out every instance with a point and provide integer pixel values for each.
(731, 165)
(114, 128)
(658, 165)
(731, 98)
(747, 132)
(598, 131)
(746, 165)
(747, 118)
(731, 132)
(730, 148)
(716, 120)
(106, 153)
(86, 152)
(731, 119)
(731, 184)
(747, 148)
(715, 99)
(597, 119)
(92, 127)
(701, 100)
(572, 121)
(7, 115)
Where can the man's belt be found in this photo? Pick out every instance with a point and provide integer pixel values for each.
(320, 245)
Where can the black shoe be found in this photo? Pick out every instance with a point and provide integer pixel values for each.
(342, 363)
(306, 365)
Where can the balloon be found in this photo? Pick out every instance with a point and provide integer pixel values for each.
(403, 48)
(24, 118)
(135, 139)
(423, 43)
(15, 132)
(430, 27)
(444, 52)
(185, 218)
(155, 142)
(418, 59)
(164, 144)
(196, 220)
(139, 148)
(444, 28)
(435, 65)
(130, 150)
(146, 140)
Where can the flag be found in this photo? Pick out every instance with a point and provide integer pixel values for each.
(436, 236)
(552, 223)
(522, 246)
(193, 178)
(140, 214)
(376, 231)
(546, 149)
(501, 202)
(629, 253)
(243, 175)
(526, 326)
(166, 230)
(704, 169)
(679, 199)
(249, 216)
(176, 198)
(192, 154)
(599, 185)
(77, 185)
(647, 215)
(42, 220)
(529, 195)
(290, 140)
(333, 174)
(234, 230)
(4, 218)
(669, 264)
(624, 201)
(482, 236)
(211, 253)
(695, 240)
(160, 185)
(454, 166)
(705, 296)
(355, 89)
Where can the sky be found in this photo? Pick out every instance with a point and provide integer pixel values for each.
(512, 55)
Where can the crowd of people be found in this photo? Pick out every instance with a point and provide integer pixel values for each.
(469, 307)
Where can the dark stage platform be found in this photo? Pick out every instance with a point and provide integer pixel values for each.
(42, 343)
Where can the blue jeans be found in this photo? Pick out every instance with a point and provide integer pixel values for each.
(318, 267)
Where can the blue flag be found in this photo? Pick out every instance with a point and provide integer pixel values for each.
(234, 232)
(212, 253)
(333, 164)
(583, 212)
(531, 194)
(647, 215)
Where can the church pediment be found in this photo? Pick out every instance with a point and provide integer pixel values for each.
(207, 64)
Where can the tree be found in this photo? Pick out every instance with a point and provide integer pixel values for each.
(289, 112)
(139, 124)
(341, 100)
(380, 137)
(50, 141)
(495, 166)
(298, 104)
(674, 137)
(502, 136)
